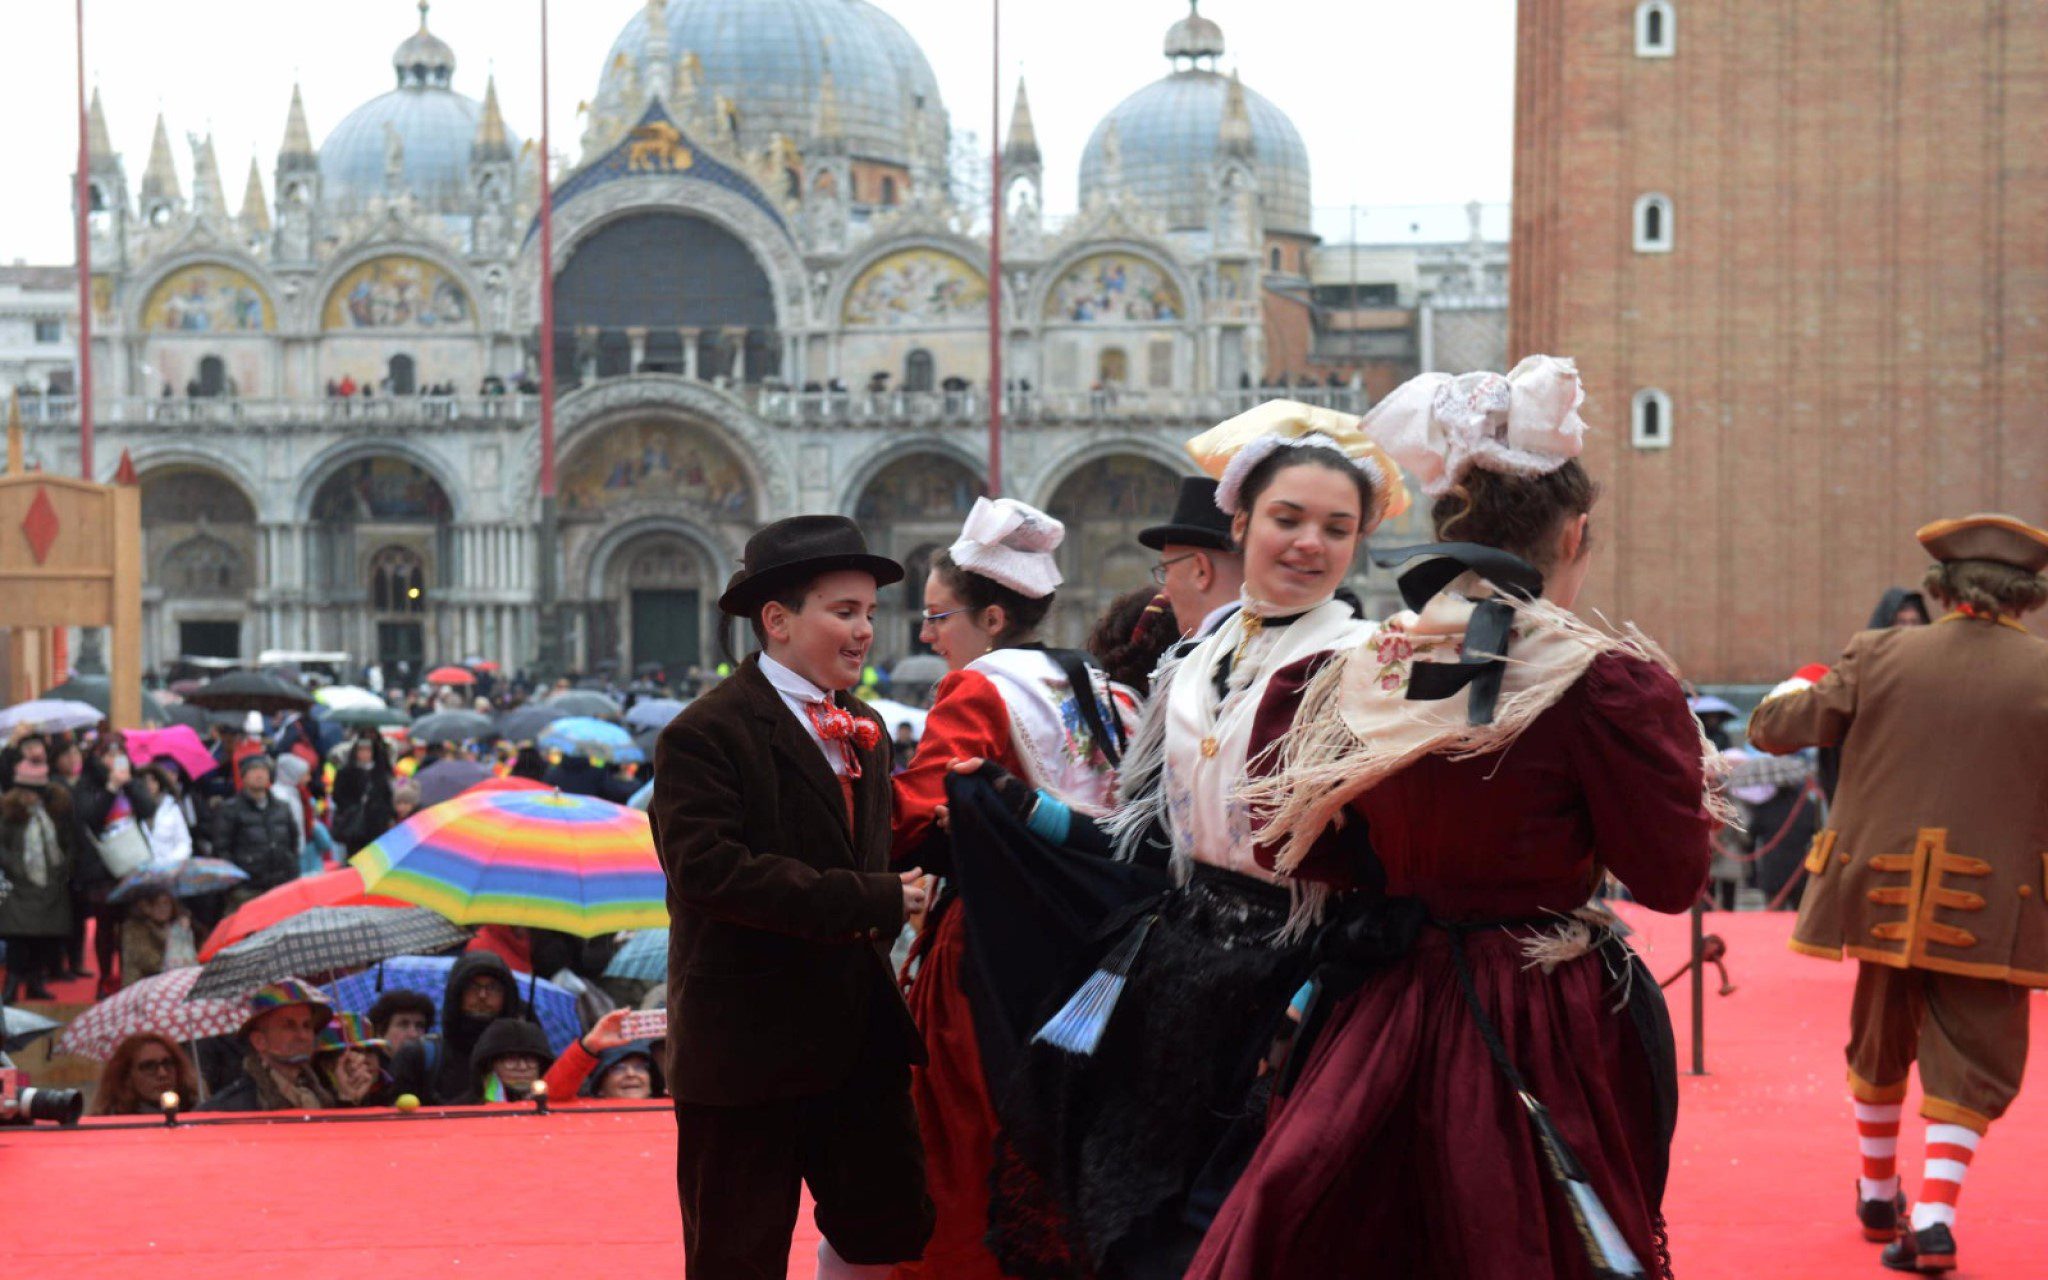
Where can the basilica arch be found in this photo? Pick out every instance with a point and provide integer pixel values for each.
(1105, 498)
(910, 505)
(201, 552)
(650, 596)
(380, 557)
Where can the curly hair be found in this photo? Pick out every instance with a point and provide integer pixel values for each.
(978, 592)
(1521, 514)
(1986, 586)
(1130, 635)
(116, 1095)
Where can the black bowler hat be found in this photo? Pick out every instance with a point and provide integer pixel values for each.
(798, 549)
(1196, 522)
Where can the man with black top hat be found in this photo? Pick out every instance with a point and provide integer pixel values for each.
(789, 1046)
(1931, 873)
(1200, 568)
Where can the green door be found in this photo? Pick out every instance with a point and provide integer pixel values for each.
(665, 629)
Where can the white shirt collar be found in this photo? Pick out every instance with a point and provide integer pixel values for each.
(790, 683)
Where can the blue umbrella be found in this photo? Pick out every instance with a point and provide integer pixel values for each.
(428, 975)
(187, 878)
(643, 958)
(587, 736)
(653, 713)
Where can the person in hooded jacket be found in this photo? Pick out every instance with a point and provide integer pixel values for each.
(603, 1063)
(362, 805)
(510, 1057)
(480, 990)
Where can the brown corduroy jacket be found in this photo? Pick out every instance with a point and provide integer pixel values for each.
(1936, 853)
(781, 914)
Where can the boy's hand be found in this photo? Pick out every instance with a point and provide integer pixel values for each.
(915, 896)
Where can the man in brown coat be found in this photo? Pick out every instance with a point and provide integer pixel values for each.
(789, 1045)
(1933, 872)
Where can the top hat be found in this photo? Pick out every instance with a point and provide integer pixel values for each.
(1196, 520)
(2000, 539)
(796, 550)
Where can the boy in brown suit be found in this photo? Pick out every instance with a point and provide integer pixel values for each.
(789, 1046)
(1932, 874)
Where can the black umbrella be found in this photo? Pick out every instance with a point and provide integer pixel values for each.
(583, 702)
(324, 940)
(250, 691)
(97, 691)
(524, 724)
(368, 717)
(446, 779)
(453, 726)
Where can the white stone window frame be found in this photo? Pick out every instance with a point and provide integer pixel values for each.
(1639, 413)
(1662, 241)
(1667, 44)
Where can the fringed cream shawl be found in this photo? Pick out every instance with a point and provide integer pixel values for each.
(1356, 726)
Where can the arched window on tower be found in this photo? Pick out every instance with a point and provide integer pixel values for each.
(1649, 424)
(1656, 29)
(888, 190)
(1653, 224)
(918, 371)
(1276, 257)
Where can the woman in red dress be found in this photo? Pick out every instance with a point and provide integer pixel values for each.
(1008, 700)
(1496, 795)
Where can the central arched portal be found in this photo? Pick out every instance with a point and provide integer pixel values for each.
(910, 511)
(1104, 504)
(657, 589)
(200, 546)
(379, 550)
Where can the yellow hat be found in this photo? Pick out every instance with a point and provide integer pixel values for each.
(1229, 450)
(1997, 538)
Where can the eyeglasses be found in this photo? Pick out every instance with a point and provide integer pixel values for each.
(1159, 570)
(934, 619)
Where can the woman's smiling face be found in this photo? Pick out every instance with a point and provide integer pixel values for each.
(1300, 535)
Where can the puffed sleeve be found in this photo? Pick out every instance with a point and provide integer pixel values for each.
(1638, 758)
(1341, 855)
(1816, 715)
(968, 719)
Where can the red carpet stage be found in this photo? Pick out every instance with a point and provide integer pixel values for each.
(1761, 1186)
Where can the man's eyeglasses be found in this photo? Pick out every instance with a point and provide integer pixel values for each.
(1159, 570)
(934, 619)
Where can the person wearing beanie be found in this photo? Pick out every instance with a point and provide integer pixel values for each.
(510, 1057)
(255, 830)
(1049, 717)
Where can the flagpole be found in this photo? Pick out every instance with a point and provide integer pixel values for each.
(995, 251)
(551, 657)
(82, 199)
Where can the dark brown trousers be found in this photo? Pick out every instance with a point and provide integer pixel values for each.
(740, 1170)
(1969, 1036)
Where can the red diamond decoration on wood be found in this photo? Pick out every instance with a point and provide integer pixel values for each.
(40, 524)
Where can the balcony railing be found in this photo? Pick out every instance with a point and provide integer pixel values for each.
(824, 409)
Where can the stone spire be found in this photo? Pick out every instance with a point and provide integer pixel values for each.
(98, 146)
(160, 179)
(207, 193)
(1022, 148)
(826, 126)
(1234, 135)
(298, 139)
(1112, 160)
(491, 141)
(255, 212)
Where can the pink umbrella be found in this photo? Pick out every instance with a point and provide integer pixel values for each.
(179, 742)
(157, 1004)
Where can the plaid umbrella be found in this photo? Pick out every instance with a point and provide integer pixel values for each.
(156, 1004)
(339, 888)
(553, 1006)
(321, 941)
(186, 878)
(643, 957)
(19, 1026)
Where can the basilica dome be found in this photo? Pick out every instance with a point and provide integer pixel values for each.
(770, 56)
(427, 121)
(1166, 136)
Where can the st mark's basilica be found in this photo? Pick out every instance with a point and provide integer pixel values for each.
(770, 298)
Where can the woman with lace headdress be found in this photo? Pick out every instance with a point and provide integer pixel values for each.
(1137, 1101)
(1476, 1024)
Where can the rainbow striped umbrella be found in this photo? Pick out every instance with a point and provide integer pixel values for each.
(542, 859)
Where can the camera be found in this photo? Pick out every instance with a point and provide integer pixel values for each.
(22, 1103)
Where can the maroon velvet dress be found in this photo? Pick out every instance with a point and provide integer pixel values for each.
(1401, 1150)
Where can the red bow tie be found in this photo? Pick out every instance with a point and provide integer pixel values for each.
(853, 733)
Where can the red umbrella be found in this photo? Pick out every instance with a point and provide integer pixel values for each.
(485, 665)
(450, 675)
(342, 888)
(508, 784)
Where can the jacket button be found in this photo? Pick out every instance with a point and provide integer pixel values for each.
(874, 935)
(1843, 858)
(2026, 891)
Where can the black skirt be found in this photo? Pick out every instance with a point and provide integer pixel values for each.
(1140, 1142)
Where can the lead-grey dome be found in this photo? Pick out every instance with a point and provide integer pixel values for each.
(769, 57)
(1167, 135)
(434, 125)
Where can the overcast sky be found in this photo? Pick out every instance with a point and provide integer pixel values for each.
(1400, 101)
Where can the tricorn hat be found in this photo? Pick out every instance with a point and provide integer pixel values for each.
(1997, 538)
(797, 549)
(1196, 521)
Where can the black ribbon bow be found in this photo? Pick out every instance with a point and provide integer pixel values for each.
(1486, 635)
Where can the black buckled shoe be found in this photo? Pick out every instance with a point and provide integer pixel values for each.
(1880, 1218)
(1929, 1251)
